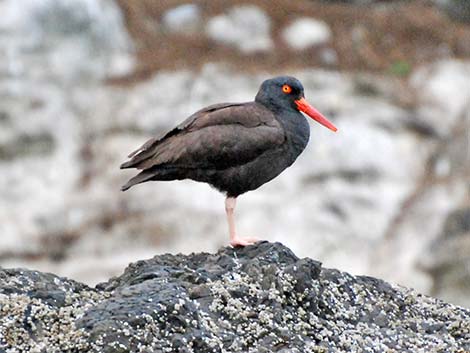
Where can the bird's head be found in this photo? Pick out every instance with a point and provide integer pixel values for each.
(286, 92)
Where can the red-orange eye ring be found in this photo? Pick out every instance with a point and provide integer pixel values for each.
(286, 89)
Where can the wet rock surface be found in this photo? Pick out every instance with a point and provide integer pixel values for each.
(261, 298)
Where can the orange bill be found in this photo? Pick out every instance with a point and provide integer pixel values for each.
(306, 108)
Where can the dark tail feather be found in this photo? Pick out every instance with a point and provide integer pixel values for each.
(125, 165)
(139, 178)
(130, 164)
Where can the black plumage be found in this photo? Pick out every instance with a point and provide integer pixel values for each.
(235, 147)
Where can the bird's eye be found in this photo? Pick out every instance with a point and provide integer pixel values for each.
(286, 89)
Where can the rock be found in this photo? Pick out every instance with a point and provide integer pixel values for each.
(457, 223)
(50, 50)
(456, 9)
(328, 56)
(436, 83)
(417, 227)
(182, 19)
(245, 27)
(306, 32)
(358, 2)
(260, 298)
(26, 145)
(447, 259)
(64, 132)
(63, 35)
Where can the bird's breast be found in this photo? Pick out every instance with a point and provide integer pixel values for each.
(297, 133)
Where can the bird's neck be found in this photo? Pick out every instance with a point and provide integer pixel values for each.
(293, 122)
(296, 128)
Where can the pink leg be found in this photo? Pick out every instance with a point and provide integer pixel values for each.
(230, 203)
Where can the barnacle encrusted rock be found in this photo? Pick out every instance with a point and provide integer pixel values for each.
(261, 298)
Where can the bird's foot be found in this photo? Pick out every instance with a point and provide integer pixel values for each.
(237, 241)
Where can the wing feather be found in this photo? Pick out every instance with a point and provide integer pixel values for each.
(216, 137)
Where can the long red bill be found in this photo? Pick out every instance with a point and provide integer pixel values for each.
(306, 108)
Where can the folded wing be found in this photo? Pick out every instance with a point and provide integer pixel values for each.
(217, 137)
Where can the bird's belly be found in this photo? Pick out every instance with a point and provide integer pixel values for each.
(237, 180)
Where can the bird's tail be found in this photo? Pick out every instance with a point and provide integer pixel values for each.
(155, 173)
(139, 178)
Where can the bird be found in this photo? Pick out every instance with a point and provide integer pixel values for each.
(234, 147)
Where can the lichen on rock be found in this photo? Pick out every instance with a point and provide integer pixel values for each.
(260, 298)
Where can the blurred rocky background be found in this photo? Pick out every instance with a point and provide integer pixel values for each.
(84, 82)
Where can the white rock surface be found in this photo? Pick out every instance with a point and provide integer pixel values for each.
(445, 92)
(184, 18)
(246, 27)
(64, 35)
(306, 32)
(328, 56)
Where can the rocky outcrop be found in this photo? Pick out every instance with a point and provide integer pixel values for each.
(64, 130)
(261, 298)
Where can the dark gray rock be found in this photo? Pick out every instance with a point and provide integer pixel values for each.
(27, 145)
(458, 10)
(448, 259)
(457, 223)
(261, 298)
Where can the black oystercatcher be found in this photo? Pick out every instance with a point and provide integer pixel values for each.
(235, 147)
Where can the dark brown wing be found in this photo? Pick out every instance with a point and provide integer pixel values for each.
(217, 137)
(154, 141)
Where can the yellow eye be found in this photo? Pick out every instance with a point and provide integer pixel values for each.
(286, 89)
